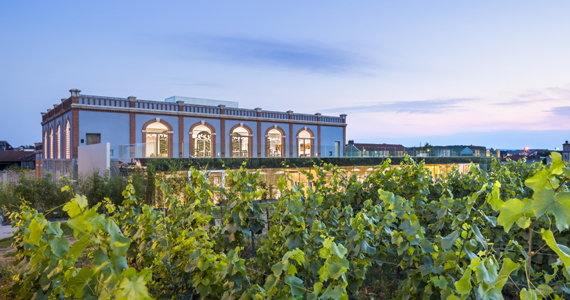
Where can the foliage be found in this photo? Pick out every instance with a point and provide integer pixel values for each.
(481, 235)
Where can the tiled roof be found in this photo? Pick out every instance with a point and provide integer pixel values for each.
(14, 155)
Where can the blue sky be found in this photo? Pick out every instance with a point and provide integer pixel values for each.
(489, 73)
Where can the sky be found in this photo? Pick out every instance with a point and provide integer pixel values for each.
(489, 73)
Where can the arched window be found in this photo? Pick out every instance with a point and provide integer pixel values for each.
(157, 143)
(58, 143)
(240, 142)
(45, 145)
(67, 140)
(305, 143)
(51, 143)
(275, 143)
(202, 138)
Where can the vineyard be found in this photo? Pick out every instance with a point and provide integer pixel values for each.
(495, 234)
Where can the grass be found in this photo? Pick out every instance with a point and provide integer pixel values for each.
(7, 242)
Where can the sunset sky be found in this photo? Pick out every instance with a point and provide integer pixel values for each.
(490, 73)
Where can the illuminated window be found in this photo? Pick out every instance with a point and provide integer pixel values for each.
(44, 146)
(58, 139)
(240, 142)
(67, 141)
(202, 138)
(274, 143)
(305, 143)
(157, 140)
(51, 143)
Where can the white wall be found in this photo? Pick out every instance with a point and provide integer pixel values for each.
(94, 157)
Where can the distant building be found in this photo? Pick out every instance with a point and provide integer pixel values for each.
(182, 127)
(565, 151)
(22, 158)
(447, 151)
(5, 146)
(374, 150)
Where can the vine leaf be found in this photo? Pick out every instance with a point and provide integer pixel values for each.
(528, 295)
(562, 251)
(463, 286)
(559, 205)
(513, 210)
(538, 181)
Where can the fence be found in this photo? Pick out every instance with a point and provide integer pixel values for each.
(59, 167)
(14, 177)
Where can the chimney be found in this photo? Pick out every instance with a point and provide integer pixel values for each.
(63, 100)
(350, 142)
(75, 92)
(132, 98)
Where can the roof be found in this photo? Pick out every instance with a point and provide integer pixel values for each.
(463, 147)
(14, 155)
(378, 147)
(515, 157)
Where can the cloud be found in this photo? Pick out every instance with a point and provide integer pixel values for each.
(560, 111)
(553, 94)
(312, 57)
(412, 107)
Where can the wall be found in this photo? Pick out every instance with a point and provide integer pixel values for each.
(113, 127)
(94, 157)
(330, 135)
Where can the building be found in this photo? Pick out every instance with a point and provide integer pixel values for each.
(565, 151)
(183, 127)
(21, 158)
(448, 151)
(374, 150)
(5, 146)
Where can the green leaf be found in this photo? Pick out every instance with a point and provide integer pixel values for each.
(334, 291)
(449, 240)
(508, 267)
(79, 246)
(440, 282)
(538, 181)
(270, 283)
(296, 284)
(463, 286)
(559, 205)
(494, 198)
(133, 288)
(36, 233)
(528, 295)
(557, 163)
(566, 172)
(562, 251)
(544, 290)
(513, 210)
(59, 246)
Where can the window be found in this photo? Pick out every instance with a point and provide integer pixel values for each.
(274, 143)
(240, 142)
(67, 141)
(305, 144)
(44, 146)
(202, 139)
(93, 138)
(157, 140)
(51, 143)
(58, 145)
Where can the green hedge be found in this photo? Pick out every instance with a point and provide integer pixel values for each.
(182, 164)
